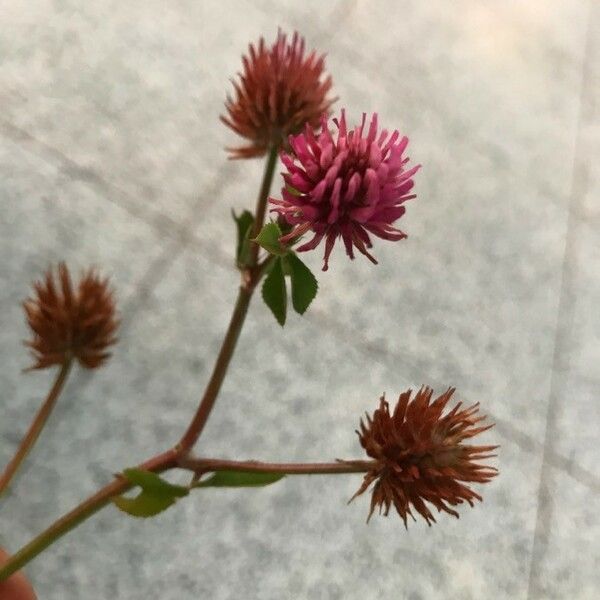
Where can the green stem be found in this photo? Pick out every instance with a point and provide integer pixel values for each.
(36, 427)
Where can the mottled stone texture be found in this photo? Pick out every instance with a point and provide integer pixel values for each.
(111, 154)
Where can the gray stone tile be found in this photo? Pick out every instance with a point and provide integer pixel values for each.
(585, 345)
(484, 277)
(126, 98)
(467, 69)
(568, 565)
(470, 298)
(292, 394)
(589, 133)
(315, 20)
(126, 94)
(578, 380)
(590, 173)
(573, 411)
(48, 217)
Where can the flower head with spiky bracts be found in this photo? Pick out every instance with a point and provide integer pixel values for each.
(419, 455)
(280, 91)
(348, 186)
(68, 323)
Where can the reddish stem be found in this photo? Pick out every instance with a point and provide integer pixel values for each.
(208, 465)
(36, 427)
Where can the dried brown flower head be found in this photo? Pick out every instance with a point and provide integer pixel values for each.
(419, 456)
(278, 93)
(68, 323)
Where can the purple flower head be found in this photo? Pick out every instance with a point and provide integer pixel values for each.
(349, 187)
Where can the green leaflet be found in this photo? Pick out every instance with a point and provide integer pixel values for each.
(274, 292)
(304, 283)
(244, 224)
(268, 238)
(156, 495)
(239, 479)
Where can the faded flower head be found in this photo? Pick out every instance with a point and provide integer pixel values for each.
(419, 455)
(280, 91)
(71, 323)
(348, 186)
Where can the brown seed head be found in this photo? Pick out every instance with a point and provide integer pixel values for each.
(278, 93)
(68, 323)
(419, 455)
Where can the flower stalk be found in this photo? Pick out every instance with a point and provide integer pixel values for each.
(213, 465)
(262, 200)
(36, 427)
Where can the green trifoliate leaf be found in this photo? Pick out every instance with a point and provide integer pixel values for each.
(304, 283)
(274, 291)
(239, 479)
(268, 238)
(156, 495)
(244, 224)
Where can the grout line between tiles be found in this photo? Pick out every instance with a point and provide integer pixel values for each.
(163, 224)
(565, 316)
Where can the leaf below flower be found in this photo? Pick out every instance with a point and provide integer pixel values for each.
(304, 283)
(274, 292)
